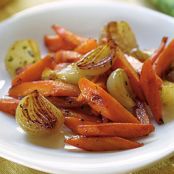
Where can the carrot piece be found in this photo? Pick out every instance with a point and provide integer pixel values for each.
(20, 70)
(46, 87)
(165, 59)
(141, 112)
(65, 102)
(122, 62)
(9, 105)
(86, 46)
(68, 37)
(151, 85)
(63, 56)
(101, 143)
(104, 103)
(124, 130)
(76, 113)
(156, 54)
(54, 43)
(72, 123)
(34, 71)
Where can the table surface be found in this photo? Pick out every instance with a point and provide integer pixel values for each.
(7, 167)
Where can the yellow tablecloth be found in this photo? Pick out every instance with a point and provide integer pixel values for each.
(8, 167)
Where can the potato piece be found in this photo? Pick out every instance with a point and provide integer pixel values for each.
(118, 86)
(21, 53)
(120, 32)
(167, 97)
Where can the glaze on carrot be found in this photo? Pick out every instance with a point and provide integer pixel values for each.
(101, 143)
(33, 72)
(46, 88)
(124, 130)
(164, 60)
(151, 85)
(104, 103)
(122, 62)
(9, 105)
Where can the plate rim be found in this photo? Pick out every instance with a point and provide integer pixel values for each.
(59, 4)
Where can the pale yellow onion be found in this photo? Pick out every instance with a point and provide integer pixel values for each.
(70, 74)
(118, 86)
(96, 62)
(167, 97)
(37, 116)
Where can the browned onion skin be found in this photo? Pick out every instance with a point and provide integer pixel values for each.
(37, 116)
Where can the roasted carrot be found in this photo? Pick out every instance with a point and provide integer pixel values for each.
(65, 102)
(54, 43)
(151, 85)
(165, 59)
(122, 62)
(46, 87)
(86, 46)
(68, 37)
(141, 112)
(104, 103)
(20, 70)
(101, 143)
(9, 105)
(63, 56)
(124, 130)
(33, 72)
(76, 113)
(73, 122)
(156, 54)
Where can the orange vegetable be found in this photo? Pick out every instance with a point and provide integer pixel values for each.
(151, 85)
(67, 56)
(46, 87)
(102, 143)
(68, 37)
(9, 105)
(156, 54)
(165, 59)
(104, 103)
(54, 43)
(72, 123)
(20, 70)
(122, 62)
(33, 72)
(124, 130)
(77, 113)
(86, 46)
(65, 102)
(141, 112)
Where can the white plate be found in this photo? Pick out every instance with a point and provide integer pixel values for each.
(85, 18)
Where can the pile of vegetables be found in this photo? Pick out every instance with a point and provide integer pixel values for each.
(106, 92)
